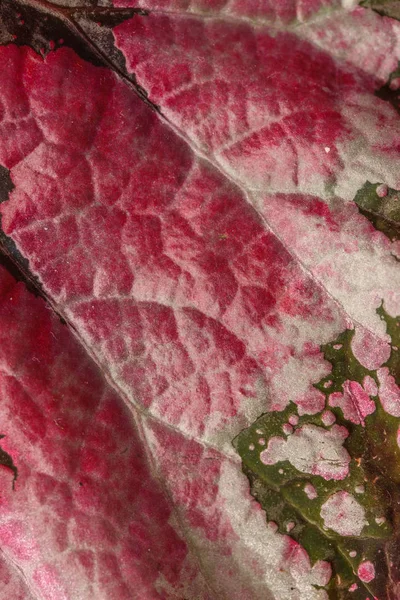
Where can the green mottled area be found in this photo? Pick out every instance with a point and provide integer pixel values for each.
(373, 479)
(383, 212)
(385, 8)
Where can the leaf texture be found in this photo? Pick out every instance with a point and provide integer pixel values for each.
(190, 214)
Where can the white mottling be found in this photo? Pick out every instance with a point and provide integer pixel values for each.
(380, 520)
(360, 489)
(261, 441)
(343, 514)
(251, 447)
(258, 551)
(313, 450)
(293, 419)
(310, 491)
(290, 526)
(259, 431)
(353, 554)
(328, 383)
(327, 149)
(337, 346)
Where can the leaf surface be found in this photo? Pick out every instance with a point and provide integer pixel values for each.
(190, 214)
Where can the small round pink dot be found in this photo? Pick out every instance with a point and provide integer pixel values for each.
(382, 190)
(366, 571)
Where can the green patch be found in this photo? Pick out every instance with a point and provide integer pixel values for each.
(381, 205)
(294, 498)
(385, 8)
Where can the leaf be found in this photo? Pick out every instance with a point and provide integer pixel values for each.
(331, 479)
(381, 206)
(387, 8)
(86, 500)
(183, 199)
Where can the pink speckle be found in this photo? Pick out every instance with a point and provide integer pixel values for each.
(290, 526)
(287, 428)
(328, 383)
(251, 447)
(293, 419)
(311, 403)
(366, 571)
(328, 418)
(395, 83)
(370, 350)
(354, 402)
(343, 514)
(353, 554)
(389, 392)
(353, 587)
(310, 491)
(370, 386)
(337, 346)
(261, 441)
(382, 190)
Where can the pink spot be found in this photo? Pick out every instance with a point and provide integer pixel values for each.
(389, 392)
(310, 491)
(382, 190)
(370, 386)
(311, 403)
(354, 402)
(328, 418)
(287, 428)
(370, 351)
(366, 571)
(293, 419)
(353, 587)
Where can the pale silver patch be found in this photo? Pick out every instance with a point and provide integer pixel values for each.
(313, 450)
(343, 514)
